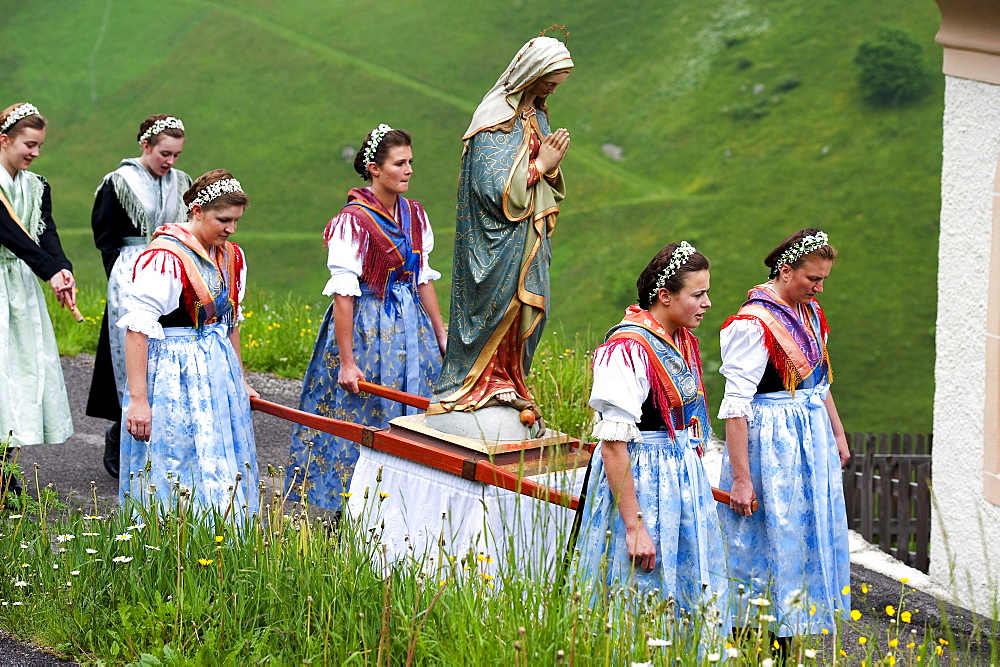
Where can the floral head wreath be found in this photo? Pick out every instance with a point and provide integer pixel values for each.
(677, 259)
(168, 123)
(17, 114)
(215, 190)
(377, 135)
(803, 246)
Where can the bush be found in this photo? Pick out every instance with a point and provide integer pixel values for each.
(891, 67)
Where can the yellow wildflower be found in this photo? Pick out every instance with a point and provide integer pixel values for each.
(890, 610)
(905, 616)
(205, 561)
(862, 640)
(846, 590)
(855, 615)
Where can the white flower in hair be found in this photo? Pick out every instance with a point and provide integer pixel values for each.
(215, 190)
(168, 123)
(17, 114)
(803, 246)
(377, 135)
(677, 259)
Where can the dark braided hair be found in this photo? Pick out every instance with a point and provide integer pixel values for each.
(647, 279)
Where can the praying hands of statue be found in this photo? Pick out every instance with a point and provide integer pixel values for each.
(552, 151)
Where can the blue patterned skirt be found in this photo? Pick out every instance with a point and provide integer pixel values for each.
(794, 549)
(679, 514)
(396, 349)
(202, 430)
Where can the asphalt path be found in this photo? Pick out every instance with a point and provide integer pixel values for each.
(71, 467)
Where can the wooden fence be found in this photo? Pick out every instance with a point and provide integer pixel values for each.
(886, 487)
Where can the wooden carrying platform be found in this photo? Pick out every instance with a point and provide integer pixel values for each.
(554, 452)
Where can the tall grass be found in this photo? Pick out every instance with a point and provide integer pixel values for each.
(173, 583)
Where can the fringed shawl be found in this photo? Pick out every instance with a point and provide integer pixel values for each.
(795, 348)
(673, 370)
(391, 250)
(211, 285)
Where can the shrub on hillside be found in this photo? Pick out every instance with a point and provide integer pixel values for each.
(891, 67)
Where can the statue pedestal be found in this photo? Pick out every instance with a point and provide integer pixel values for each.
(496, 423)
(529, 456)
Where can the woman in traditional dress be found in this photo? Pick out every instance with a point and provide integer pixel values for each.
(650, 520)
(131, 202)
(187, 404)
(384, 324)
(785, 445)
(33, 402)
(508, 200)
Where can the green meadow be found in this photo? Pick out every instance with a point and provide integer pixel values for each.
(737, 122)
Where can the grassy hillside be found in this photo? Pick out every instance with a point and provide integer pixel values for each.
(275, 91)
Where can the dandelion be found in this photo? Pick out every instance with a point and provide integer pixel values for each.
(91, 551)
(483, 558)
(905, 616)
(345, 494)
(124, 537)
(890, 610)
(121, 559)
(486, 577)
(862, 640)
(443, 582)
(20, 584)
(65, 538)
(855, 615)
(205, 561)
(382, 495)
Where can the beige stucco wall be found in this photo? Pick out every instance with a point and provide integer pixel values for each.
(966, 528)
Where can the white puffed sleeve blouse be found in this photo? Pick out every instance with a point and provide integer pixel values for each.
(620, 388)
(156, 291)
(345, 263)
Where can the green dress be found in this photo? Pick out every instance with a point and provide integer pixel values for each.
(33, 401)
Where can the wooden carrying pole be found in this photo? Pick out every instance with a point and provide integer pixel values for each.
(469, 468)
(480, 471)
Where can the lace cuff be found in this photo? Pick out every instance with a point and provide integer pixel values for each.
(734, 407)
(610, 431)
(142, 322)
(345, 284)
(428, 274)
